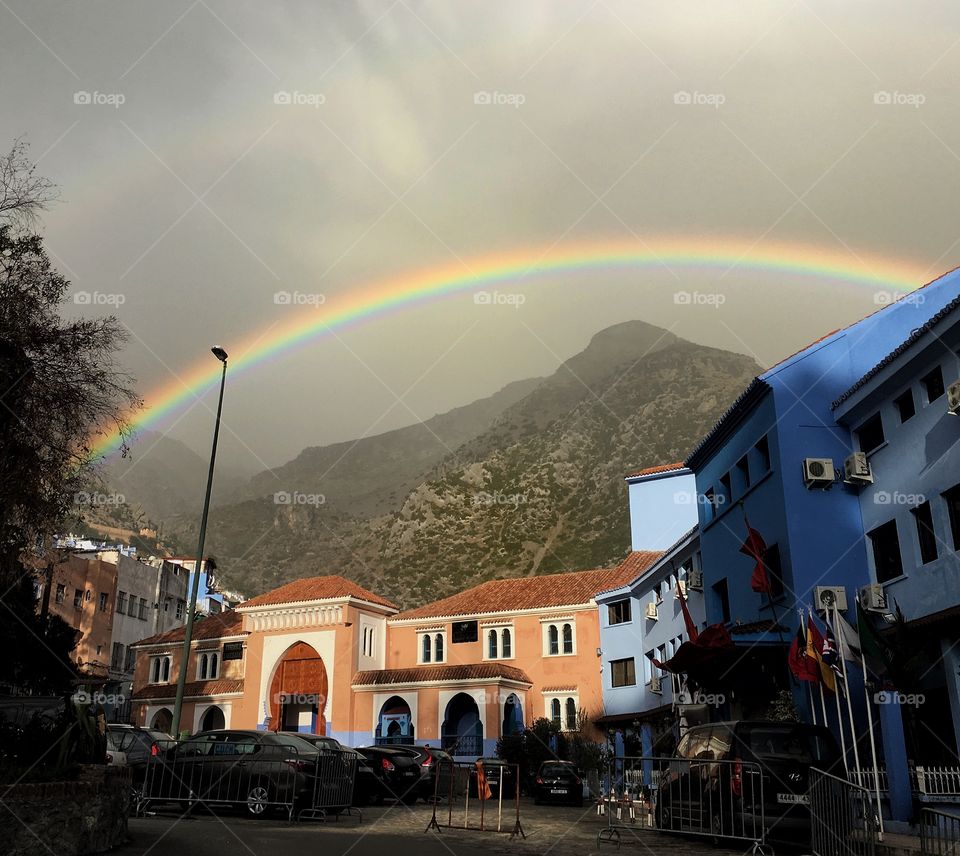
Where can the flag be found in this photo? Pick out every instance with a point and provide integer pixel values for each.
(687, 618)
(755, 547)
(872, 647)
(815, 653)
(702, 656)
(849, 642)
(483, 789)
(831, 657)
(803, 668)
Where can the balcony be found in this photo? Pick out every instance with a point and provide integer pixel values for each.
(398, 740)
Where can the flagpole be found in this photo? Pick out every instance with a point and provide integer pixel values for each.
(846, 683)
(843, 738)
(813, 707)
(873, 749)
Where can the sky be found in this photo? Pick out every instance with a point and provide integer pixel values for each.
(228, 167)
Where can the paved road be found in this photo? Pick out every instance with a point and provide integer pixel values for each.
(395, 831)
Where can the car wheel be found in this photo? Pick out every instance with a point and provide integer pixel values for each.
(663, 815)
(258, 800)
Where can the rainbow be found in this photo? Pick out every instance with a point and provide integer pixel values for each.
(411, 289)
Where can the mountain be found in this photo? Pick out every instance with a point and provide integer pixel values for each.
(536, 490)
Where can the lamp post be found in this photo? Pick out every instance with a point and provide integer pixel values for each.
(221, 355)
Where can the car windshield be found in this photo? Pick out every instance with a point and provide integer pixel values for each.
(796, 744)
(556, 770)
(493, 762)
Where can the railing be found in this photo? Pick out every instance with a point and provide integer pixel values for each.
(331, 786)
(466, 744)
(939, 782)
(480, 798)
(393, 741)
(867, 778)
(939, 833)
(842, 817)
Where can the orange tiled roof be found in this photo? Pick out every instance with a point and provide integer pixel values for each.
(212, 627)
(420, 674)
(316, 588)
(192, 689)
(650, 471)
(533, 592)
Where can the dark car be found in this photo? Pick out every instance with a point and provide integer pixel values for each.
(366, 784)
(256, 770)
(135, 743)
(397, 770)
(734, 778)
(497, 771)
(435, 764)
(558, 781)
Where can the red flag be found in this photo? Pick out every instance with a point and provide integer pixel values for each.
(815, 655)
(803, 668)
(755, 547)
(712, 645)
(687, 618)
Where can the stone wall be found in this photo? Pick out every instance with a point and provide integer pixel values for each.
(88, 815)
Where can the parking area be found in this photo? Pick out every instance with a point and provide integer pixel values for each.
(558, 830)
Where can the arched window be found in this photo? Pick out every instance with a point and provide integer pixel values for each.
(202, 667)
(554, 640)
(492, 645)
(555, 711)
(567, 639)
(438, 647)
(571, 715)
(426, 648)
(155, 672)
(505, 649)
(166, 669)
(213, 670)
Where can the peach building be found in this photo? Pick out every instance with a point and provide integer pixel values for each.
(326, 656)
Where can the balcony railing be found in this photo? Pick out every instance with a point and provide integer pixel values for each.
(466, 744)
(398, 740)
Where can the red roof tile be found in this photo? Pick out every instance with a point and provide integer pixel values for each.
(192, 689)
(420, 674)
(633, 565)
(316, 588)
(519, 593)
(650, 471)
(227, 623)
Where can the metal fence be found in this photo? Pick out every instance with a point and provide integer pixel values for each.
(843, 821)
(927, 783)
(331, 786)
(939, 833)
(460, 799)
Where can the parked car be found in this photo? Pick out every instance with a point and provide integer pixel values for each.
(558, 781)
(495, 769)
(397, 770)
(255, 770)
(433, 763)
(132, 746)
(366, 784)
(729, 777)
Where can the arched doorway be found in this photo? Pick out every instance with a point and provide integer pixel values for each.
(512, 716)
(298, 691)
(395, 723)
(462, 729)
(212, 719)
(162, 720)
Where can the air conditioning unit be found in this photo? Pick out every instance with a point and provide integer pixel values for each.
(953, 398)
(818, 472)
(828, 597)
(652, 611)
(695, 580)
(873, 598)
(682, 586)
(655, 684)
(856, 469)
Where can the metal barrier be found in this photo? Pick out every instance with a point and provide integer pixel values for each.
(939, 833)
(843, 821)
(331, 786)
(698, 796)
(243, 773)
(461, 788)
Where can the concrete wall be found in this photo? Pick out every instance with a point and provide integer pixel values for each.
(663, 507)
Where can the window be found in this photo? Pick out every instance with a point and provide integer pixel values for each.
(726, 488)
(567, 639)
(553, 639)
(870, 434)
(61, 593)
(886, 551)
(103, 601)
(722, 599)
(142, 613)
(905, 406)
(121, 602)
(367, 647)
(774, 566)
(425, 648)
(571, 712)
(208, 666)
(923, 518)
(78, 599)
(181, 605)
(952, 498)
(648, 666)
(438, 647)
(160, 670)
(933, 384)
(710, 503)
(763, 453)
(506, 644)
(618, 612)
(492, 645)
(555, 711)
(116, 658)
(743, 472)
(623, 673)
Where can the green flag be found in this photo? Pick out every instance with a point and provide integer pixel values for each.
(875, 656)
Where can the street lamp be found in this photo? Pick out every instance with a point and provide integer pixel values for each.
(221, 355)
